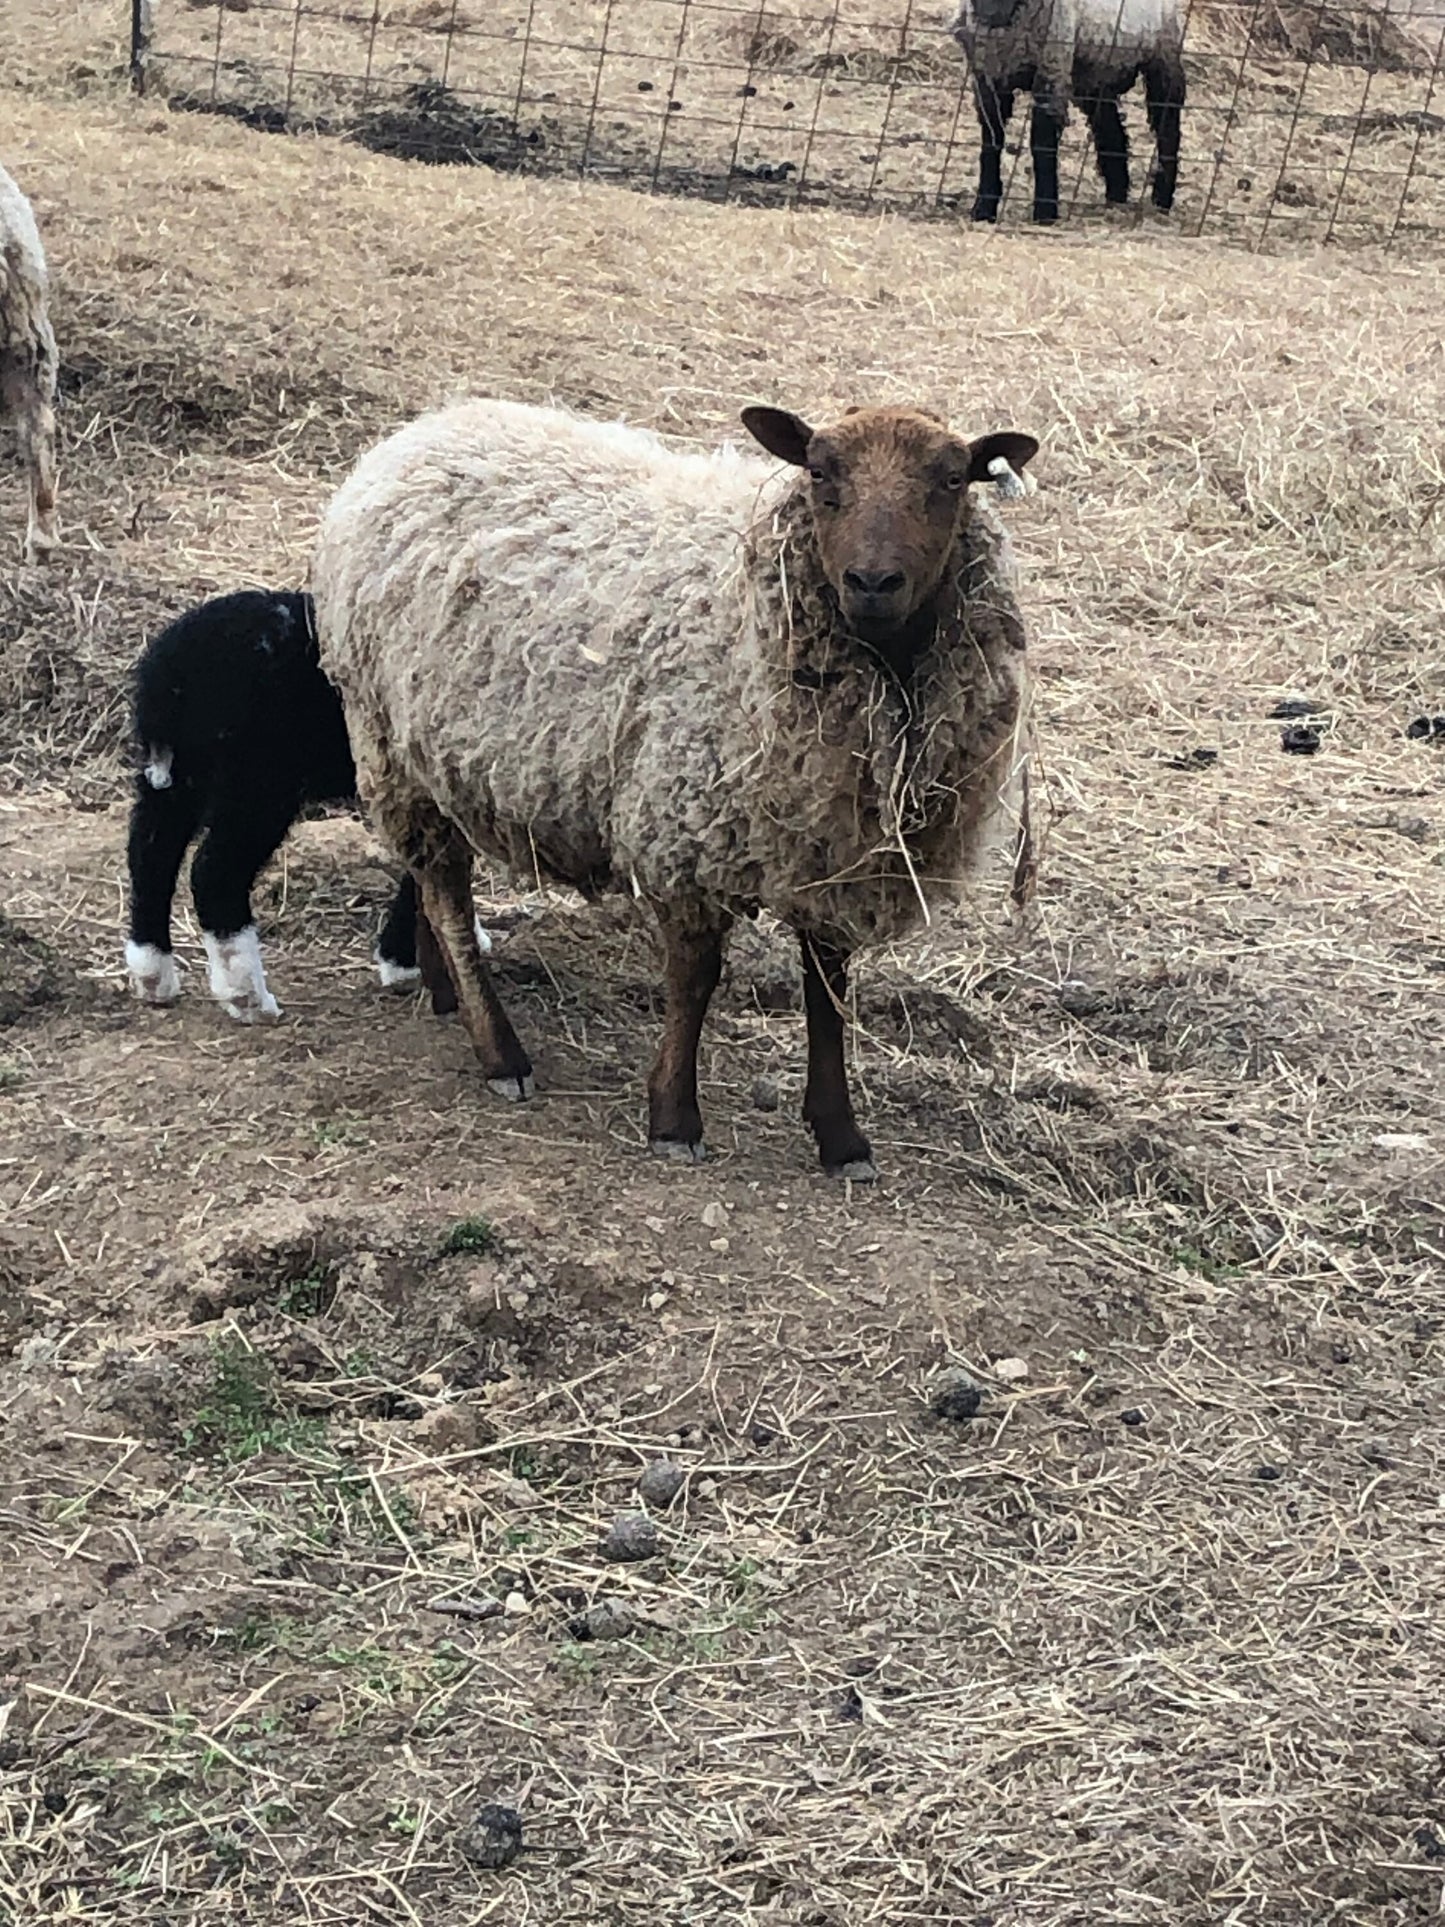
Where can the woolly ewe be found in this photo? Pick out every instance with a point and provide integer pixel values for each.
(618, 665)
(28, 361)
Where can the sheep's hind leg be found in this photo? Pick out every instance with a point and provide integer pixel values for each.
(395, 953)
(1164, 85)
(162, 823)
(27, 390)
(693, 968)
(445, 878)
(994, 105)
(407, 951)
(827, 1103)
(434, 972)
(246, 830)
(1111, 144)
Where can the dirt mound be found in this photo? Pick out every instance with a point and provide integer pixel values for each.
(34, 978)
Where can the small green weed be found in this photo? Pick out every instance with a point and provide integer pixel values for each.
(345, 1506)
(577, 1661)
(473, 1237)
(1203, 1264)
(306, 1297)
(259, 1631)
(240, 1415)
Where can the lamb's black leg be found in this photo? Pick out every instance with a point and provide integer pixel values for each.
(1111, 144)
(995, 105)
(827, 1102)
(395, 954)
(1045, 128)
(1165, 87)
(694, 966)
(162, 823)
(245, 830)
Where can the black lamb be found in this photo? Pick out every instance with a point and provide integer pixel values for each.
(239, 731)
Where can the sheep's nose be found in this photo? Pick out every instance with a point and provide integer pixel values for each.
(874, 582)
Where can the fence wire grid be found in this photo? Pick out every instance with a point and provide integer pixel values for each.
(1306, 119)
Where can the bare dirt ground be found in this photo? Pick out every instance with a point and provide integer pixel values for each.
(316, 1355)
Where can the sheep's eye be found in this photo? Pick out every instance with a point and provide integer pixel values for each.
(816, 475)
(955, 481)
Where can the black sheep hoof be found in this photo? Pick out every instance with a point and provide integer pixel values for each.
(676, 1152)
(985, 211)
(516, 1090)
(844, 1152)
(855, 1171)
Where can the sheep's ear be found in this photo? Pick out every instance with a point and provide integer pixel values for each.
(781, 434)
(1001, 459)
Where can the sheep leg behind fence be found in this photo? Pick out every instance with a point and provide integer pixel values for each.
(1045, 131)
(1165, 89)
(694, 955)
(995, 107)
(1111, 139)
(827, 1102)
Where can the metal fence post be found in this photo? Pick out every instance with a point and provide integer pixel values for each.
(141, 24)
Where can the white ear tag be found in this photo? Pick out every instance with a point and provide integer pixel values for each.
(1011, 485)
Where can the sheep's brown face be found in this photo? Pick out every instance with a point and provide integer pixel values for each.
(889, 490)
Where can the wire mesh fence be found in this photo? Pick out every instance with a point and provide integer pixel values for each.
(1307, 119)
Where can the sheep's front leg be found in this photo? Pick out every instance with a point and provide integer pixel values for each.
(693, 967)
(827, 1103)
(445, 879)
(995, 105)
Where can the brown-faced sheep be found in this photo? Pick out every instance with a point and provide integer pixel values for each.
(28, 361)
(620, 665)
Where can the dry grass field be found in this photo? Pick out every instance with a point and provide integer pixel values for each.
(324, 1374)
